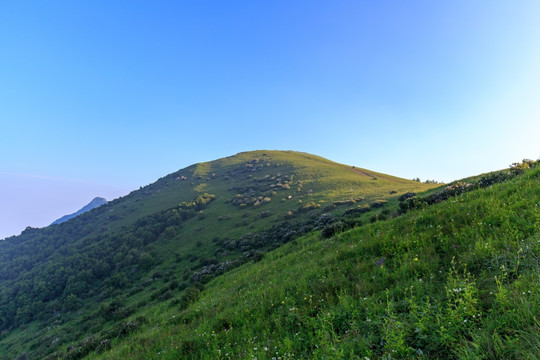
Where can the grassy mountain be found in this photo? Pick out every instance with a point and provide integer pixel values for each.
(81, 287)
(454, 276)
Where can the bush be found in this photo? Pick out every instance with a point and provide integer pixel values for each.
(169, 233)
(308, 207)
(191, 295)
(358, 210)
(406, 196)
(82, 348)
(71, 302)
(378, 203)
(333, 228)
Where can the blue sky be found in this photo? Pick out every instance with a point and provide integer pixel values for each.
(100, 97)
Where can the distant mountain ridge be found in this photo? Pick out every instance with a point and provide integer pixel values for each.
(96, 202)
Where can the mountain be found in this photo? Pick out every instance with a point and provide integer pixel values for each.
(454, 276)
(282, 254)
(90, 274)
(96, 202)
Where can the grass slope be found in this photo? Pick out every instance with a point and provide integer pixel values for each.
(455, 280)
(85, 284)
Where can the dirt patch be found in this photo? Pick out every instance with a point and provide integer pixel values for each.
(361, 172)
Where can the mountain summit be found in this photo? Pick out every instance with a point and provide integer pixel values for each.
(96, 202)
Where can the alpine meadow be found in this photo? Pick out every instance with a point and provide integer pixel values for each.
(283, 255)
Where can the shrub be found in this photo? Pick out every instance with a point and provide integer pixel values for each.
(169, 232)
(71, 302)
(191, 295)
(358, 210)
(378, 203)
(82, 348)
(332, 229)
(308, 207)
(406, 196)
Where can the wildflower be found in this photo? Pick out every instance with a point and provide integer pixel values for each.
(415, 259)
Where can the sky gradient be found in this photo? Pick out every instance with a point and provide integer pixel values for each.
(98, 98)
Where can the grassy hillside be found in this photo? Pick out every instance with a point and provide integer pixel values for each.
(84, 285)
(456, 276)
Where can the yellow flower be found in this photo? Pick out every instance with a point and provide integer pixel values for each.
(415, 259)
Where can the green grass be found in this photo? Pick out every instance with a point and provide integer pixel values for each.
(456, 280)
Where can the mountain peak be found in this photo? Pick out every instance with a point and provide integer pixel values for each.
(96, 202)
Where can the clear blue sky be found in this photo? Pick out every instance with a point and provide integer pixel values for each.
(100, 97)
